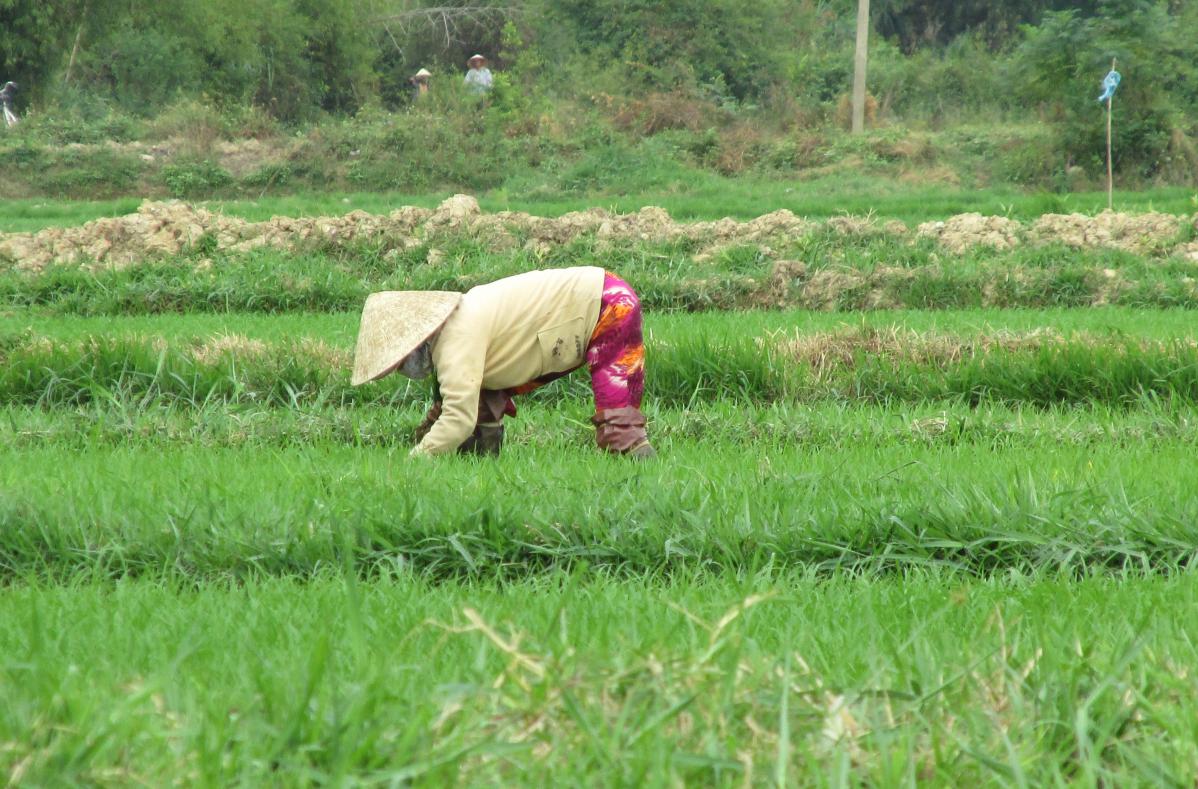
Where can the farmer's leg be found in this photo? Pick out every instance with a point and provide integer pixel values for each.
(487, 438)
(616, 358)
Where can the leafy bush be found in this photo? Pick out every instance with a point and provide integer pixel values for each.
(273, 174)
(1062, 63)
(193, 179)
(74, 117)
(103, 172)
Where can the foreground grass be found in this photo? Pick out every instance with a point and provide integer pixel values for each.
(815, 426)
(883, 548)
(576, 678)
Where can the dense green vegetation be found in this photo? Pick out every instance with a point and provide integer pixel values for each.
(824, 270)
(869, 537)
(776, 364)
(283, 96)
(766, 503)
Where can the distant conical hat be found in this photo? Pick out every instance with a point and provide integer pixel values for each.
(423, 73)
(394, 323)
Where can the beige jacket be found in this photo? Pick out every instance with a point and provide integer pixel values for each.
(506, 334)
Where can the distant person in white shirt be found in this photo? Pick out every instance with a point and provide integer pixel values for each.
(10, 89)
(478, 78)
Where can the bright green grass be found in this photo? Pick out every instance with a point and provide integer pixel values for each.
(587, 680)
(216, 591)
(690, 361)
(815, 426)
(340, 329)
(705, 506)
(710, 197)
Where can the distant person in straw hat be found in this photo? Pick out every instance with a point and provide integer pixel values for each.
(508, 338)
(419, 82)
(478, 77)
(7, 93)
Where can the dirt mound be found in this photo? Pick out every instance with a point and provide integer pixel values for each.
(966, 231)
(1189, 251)
(161, 229)
(1139, 233)
(156, 229)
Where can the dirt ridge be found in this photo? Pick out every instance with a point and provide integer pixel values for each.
(159, 229)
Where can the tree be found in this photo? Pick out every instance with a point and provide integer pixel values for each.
(1063, 60)
(921, 23)
(32, 38)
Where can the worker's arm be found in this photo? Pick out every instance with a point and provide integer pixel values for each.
(460, 373)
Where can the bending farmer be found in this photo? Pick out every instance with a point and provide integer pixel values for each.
(508, 338)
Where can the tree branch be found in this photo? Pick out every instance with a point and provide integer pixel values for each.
(446, 19)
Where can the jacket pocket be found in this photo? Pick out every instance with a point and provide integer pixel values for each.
(562, 347)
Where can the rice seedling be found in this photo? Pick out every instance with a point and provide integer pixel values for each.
(879, 546)
(213, 512)
(858, 365)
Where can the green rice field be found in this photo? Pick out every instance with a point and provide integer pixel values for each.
(934, 538)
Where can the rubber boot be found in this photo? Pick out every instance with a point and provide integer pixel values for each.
(486, 440)
(622, 431)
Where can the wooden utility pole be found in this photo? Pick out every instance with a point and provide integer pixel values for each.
(859, 65)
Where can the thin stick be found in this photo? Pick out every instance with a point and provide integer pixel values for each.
(75, 49)
(1110, 177)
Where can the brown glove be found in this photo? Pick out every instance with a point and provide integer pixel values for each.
(430, 419)
(486, 440)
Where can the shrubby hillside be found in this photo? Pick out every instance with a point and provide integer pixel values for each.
(724, 86)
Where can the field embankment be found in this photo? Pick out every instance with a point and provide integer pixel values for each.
(175, 258)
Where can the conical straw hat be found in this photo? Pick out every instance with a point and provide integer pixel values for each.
(394, 323)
